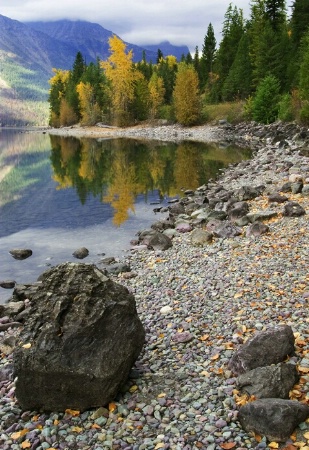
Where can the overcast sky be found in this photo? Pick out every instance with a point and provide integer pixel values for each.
(182, 22)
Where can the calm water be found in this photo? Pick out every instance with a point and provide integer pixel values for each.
(58, 194)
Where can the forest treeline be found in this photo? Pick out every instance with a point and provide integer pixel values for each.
(261, 65)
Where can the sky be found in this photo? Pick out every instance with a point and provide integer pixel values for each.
(140, 22)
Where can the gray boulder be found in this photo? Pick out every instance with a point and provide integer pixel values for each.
(249, 192)
(20, 253)
(274, 381)
(227, 230)
(81, 253)
(82, 337)
(7, 284)
(256, 229)
(200, 237)
(263, 349)
(277, 198)
(293, 209)
(272, 417)
(262, 215)
(154, 240)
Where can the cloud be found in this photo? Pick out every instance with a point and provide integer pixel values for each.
(135, 21)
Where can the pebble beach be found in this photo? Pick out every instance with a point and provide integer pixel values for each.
(197, 304)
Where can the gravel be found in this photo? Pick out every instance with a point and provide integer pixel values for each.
(197, 305)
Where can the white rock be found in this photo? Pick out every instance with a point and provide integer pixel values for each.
(165, 309)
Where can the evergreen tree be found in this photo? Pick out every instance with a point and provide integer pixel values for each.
(299, 20)
(304, 79)
(233, 30)
(167, 69)
(275, 12)
(270, 43)
(208, 55)
(239, 80)
(196, 60)
(159, 56)
(266, 101)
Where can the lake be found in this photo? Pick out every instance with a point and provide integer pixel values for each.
(58, 194)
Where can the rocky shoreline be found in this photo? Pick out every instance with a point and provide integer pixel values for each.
(198, 303)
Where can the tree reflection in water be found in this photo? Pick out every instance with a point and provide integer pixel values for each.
(117, 170)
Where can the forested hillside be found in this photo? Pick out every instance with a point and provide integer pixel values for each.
(259, 71)
(28, 52)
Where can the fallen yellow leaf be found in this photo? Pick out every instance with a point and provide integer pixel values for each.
(27, 345)
(204, 337)
(306, 435)
(72, 412)
(77, 429)
(19, 434)
(273, 445)
(205, 373)
(112, 407)
(25, 444)
(160, 445)
(162, 395)
(133, 389)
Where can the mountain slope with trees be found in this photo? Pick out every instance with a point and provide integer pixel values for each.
(261, 66)
(29, 51)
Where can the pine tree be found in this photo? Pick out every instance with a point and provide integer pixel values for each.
(266, 101)
(233, 30)
(167, 69)
(239, 80)
(299, 20)
(275, 12)
(304, 79)
(208, 55)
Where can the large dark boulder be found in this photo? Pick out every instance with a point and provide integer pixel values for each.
(274, 418)
(274, 381)
(263, 349)
(82, 337)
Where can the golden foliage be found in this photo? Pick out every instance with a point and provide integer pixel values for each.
(156, 94)
(121, 73)
(186, 95)
(89, 108)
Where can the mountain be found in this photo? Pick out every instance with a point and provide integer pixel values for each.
(169, 49)
(29, 51)
(91, 39)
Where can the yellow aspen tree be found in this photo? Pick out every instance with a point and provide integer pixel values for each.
(156, 94)
(67, 115)
(186, 95)
(58, 84)
(120, 71)
(90, 110)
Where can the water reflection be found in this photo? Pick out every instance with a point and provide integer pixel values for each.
(118, 170)
(59, 194)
